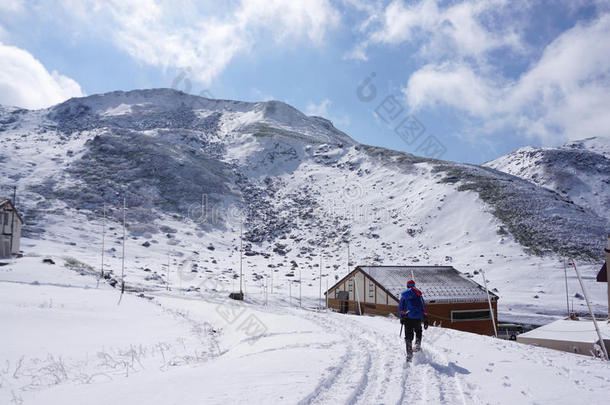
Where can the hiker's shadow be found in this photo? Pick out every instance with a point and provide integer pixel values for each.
(450, 369)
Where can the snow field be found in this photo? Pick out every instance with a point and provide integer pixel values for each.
(69, 342)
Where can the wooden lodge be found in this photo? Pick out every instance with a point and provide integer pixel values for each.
(453, 300)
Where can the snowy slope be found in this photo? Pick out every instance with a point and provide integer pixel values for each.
(579, 170)
(69, 342)
(193, 169)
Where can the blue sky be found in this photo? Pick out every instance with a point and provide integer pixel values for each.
(481, 78)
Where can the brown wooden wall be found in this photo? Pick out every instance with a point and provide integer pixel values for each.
(439, 314)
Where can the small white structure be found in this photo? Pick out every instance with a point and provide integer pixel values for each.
(575, 336)
(10, 229)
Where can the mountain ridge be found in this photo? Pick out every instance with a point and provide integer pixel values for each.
(166, 150)
(578, 170)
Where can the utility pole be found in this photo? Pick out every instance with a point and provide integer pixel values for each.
(241, 256)
(355, 284)
(13, 214)
(266, 290)
(491, 310)
(202, 209)
(103, 240)
(565, 275)
(168, 264)
(326, 293)
(123, 255)
(320, 292)
(599, 334)
(348, 264)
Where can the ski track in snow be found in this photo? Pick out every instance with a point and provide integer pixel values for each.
(415, 381)
(351, 375)
(374, 363)
(447, 381)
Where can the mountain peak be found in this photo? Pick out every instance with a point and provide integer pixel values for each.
(182, 110)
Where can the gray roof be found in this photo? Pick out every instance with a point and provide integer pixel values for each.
(437, 283)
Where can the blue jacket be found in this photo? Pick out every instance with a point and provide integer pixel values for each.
(411, 300)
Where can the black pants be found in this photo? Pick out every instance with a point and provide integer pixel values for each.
(412, 326)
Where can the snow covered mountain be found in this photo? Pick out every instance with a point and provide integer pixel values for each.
(193, 169)
(192, 172)
(578, 171)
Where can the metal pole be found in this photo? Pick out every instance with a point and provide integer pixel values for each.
(123, 255)
(103, 240)
(241, 258)
(348, 256)
(13, 214)
(327, 292)
(607, 251)
(320, 292)
(599, 334)
(357, 295)
(565, 275)
(202, 209)
(491, 310)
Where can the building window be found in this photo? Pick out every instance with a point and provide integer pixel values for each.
(470, 315)
(5, 222)
(371, 290)
(351, 285)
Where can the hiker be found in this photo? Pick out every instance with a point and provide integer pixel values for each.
(412, 310)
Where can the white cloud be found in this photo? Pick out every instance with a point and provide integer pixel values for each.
(459, 28)
(564, 95)
(321, 109)
(452, 84)
(11, 6)
(262, 96)
(205, 37)
(24, 81)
